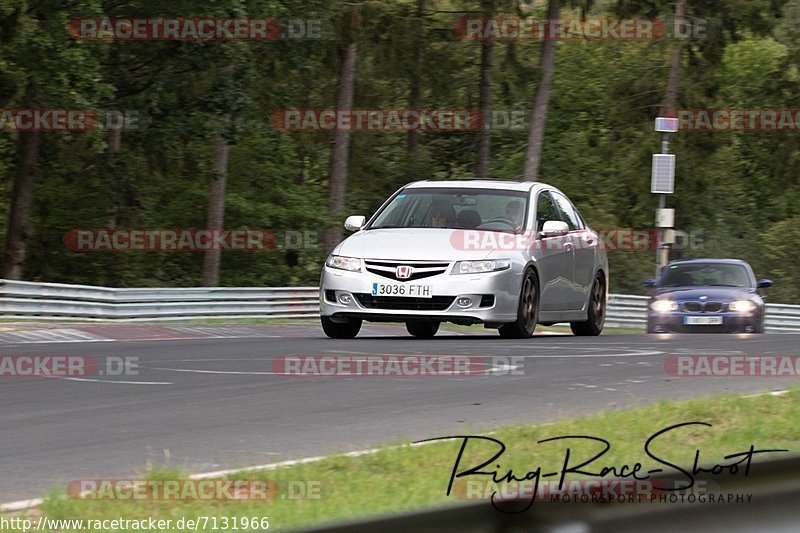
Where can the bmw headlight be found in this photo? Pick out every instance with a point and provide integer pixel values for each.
(742, 306)
(664, 306)
(352, 264)
(479, 267)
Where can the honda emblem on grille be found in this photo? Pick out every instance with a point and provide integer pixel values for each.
(403, 272)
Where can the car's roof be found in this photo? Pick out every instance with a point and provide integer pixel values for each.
(476, 184)
(726, 261)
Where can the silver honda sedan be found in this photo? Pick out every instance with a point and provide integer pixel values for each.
(508, 255)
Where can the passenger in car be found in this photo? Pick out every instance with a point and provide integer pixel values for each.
(442, 215)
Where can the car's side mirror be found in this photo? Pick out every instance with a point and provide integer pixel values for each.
(554, 228)
(355, 223)
(764, 283)
(649, 283)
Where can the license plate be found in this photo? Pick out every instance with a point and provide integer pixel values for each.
(402, 289)
(702, 320)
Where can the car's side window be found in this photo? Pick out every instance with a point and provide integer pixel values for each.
(568, 213)
(545, 210)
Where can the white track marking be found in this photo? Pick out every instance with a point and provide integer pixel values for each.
(591, 356)
(189, 370)
(771, 393)
(92, 380)
(20, 505)
(502, 368)
(122, 382)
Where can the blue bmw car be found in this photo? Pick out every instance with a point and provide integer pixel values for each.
(706, 296)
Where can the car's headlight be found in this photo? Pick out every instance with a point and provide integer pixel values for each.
(479, 267)
(742, 306)
(353, 264)
(664, 306)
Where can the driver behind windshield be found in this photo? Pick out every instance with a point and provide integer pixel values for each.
(732, 277)
(514, 213)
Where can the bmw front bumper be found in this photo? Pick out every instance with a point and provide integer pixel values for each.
(674, 322)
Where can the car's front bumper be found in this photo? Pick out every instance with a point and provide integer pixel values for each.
(731, 323)
(493, 297)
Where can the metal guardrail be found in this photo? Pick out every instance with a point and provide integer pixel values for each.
(626, 311)
(55, 301)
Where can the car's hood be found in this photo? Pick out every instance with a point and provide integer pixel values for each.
(411, 244)
(715, 294)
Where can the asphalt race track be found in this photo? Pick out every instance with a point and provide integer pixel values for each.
(211, 403)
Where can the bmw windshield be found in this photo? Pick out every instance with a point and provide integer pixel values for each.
(484, 209)
(706, 275)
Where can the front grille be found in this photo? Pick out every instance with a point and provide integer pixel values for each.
(421, 269)
(708, 307)
(436, 303)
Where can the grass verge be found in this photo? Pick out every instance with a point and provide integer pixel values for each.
(403, 478)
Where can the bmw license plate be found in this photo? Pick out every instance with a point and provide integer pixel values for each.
(702, 320)
(402, 289)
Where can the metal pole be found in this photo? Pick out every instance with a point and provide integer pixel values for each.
(661, 204)
(662, 254)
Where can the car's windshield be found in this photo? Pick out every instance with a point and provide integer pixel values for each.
(454, 208)
(706, 274)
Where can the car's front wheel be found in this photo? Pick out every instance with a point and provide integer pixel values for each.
(596, 315)
(422, 329)
(341, 330)
(527, 310)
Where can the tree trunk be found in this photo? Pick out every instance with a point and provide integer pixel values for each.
(115, 140)
(216, 207)
(415, 89)
(485, 100)
(668, 106)
(533, 156)
(18, 230)
(115, 169)
(341, 148)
